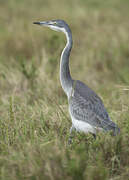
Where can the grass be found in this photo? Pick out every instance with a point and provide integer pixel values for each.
(34, 120)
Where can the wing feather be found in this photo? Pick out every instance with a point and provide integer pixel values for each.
(86, 106)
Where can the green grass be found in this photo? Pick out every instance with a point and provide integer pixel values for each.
(34, 120)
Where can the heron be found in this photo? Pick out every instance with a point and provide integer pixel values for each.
(86, 108)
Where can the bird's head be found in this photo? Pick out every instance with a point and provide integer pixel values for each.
(57, 25)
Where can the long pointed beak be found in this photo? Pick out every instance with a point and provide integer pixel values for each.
(42, 23)
(36, 23)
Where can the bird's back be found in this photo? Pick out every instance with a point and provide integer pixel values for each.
(86, 106)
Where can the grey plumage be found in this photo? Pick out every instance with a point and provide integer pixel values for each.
(85, 105)
(86, 109)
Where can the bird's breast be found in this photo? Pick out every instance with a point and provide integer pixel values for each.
(82, 126)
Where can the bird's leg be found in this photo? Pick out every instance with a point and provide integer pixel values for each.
(94, 135)
(70, 137)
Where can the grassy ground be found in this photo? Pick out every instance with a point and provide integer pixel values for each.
(34, 120)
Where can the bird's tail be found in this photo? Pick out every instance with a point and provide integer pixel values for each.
(111, 126)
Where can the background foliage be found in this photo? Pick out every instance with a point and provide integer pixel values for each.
(34, 120)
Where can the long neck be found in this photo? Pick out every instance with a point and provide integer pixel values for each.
(65, 77)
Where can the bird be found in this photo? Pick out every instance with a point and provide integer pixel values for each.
(86, 108)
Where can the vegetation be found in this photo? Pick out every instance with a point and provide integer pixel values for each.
(34, 120)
